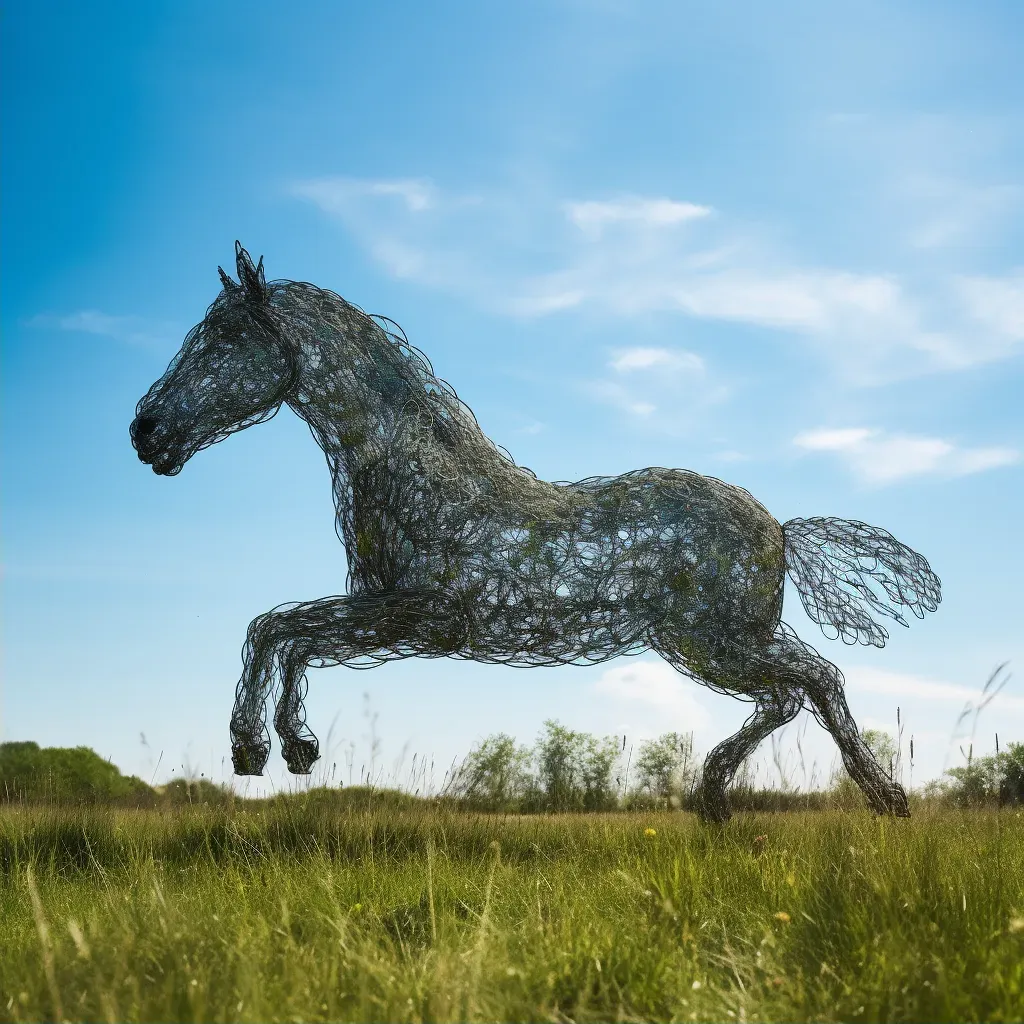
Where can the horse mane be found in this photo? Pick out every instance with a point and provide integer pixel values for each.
(461, 446)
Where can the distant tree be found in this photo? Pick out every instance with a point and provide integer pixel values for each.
(194, 792)
(1010, 770)
(598, 768)
(990, 776)
(883, 749)
(575, 769)
(495, 774)
(665, 766)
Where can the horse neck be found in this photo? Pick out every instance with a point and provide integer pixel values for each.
(357, 425)
(350, 420)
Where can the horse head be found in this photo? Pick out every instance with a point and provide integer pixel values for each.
(233, 370)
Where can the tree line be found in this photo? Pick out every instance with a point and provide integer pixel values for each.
(563, 770)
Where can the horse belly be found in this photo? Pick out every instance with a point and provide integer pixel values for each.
(539, 633)
(558, 619)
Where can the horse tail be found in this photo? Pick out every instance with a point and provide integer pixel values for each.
(834, 562)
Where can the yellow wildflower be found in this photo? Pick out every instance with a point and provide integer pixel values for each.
(783, 917)
(649, 832)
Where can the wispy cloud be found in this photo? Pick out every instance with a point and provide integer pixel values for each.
(659, 686)
(656, 376)
(534, 427)
(336, 195)
(901, 684)
(593, 216)
(610, 393)
(655, 358)
(130, 330)
(959, 210)
(635, 255)
(939, 184)
(880, 458)
(996, 302)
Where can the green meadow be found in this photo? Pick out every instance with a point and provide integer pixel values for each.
(364, 906)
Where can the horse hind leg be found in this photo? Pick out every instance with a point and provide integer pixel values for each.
(771, 711)
(822, 684)
(781, 677)
(729, 667)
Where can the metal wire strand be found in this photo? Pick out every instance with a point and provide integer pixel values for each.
(456, 551)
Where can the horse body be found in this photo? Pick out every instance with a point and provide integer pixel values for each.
(540, 573)
(643, 551)
(456, 551)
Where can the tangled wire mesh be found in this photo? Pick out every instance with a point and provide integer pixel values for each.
(456, 551)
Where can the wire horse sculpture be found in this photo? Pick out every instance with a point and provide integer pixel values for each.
(456, 551)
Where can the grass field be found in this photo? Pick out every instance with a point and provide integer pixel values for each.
(303, 910)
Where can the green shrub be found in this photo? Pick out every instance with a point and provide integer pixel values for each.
(990, 778)
(66, 775)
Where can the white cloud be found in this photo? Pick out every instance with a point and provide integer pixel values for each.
(531, 428)
(996, 302)
(661, 389)
(402, 261)
(832, 440)
(880, 458)
(336, 195)
(551, 302)
(660, 687)
(900, 684)
(813, 300)
(131, 330)
(592, 216)
(934, 183)
(649, 358)
(954, 212)
(637, 255)
(614, 394)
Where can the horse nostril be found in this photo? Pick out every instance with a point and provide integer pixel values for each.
(144, 425)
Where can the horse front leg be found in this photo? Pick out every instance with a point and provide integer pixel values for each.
(365, 629)
(250, 739)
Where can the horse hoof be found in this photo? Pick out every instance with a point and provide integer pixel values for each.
(250, 759)
(899, 807)
(713, 811)
(300, 755)
(893, 805)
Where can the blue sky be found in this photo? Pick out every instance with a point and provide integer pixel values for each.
(775, 243)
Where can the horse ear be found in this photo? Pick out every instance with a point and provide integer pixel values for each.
(229, 285)
(252, 279)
